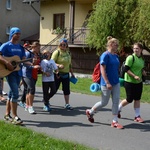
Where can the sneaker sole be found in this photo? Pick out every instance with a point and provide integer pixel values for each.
(33, 113)
(20, 123)
(17, 123)
(139, 121)
(117, 127)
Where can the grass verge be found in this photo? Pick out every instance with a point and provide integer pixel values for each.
(19, 138)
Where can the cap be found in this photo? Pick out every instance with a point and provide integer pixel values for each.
(63, 40)
(13, 31)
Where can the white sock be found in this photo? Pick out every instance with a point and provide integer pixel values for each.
(91, 111)
(137, 112)
(120, 107)
(115, 119)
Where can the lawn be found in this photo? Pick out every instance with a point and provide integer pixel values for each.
(19, 138)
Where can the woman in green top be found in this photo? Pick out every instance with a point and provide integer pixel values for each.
(133, 81)
(62, 59)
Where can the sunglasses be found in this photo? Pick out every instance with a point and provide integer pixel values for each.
(63, 44)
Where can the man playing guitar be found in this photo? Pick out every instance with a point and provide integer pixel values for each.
(12, 48)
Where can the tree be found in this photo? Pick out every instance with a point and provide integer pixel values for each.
(126, 20)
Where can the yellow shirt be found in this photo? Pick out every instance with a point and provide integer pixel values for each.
(62, 57)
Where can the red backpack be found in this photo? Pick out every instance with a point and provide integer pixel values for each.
(96, 74)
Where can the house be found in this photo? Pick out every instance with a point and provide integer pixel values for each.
(16, 13)
(68, 18)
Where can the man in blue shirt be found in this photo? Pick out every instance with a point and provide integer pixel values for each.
(10, 49)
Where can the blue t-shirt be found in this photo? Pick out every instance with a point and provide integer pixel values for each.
(9, 49)
(112, 68)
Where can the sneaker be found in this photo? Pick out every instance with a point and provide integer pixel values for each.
(138, 119)
(116, 125)
(31, 110)
(67, 106)
(4, 93)
(26, 108)
(47, 108)
(89, 116)
(8, 118)
(119, 114)
(21, 104)
(17, 120)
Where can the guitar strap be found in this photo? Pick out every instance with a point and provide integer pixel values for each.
(31, 52)
(27, 50)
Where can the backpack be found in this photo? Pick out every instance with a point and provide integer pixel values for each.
(122, 68)
(58, 53)
(96, 73)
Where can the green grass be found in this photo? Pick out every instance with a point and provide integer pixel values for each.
(83, 86)
(20, 138)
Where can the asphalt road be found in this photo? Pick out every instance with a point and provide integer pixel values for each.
(74, 126)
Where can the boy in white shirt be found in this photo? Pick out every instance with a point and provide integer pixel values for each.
(48, 67)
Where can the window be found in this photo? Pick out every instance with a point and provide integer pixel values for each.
(59, 21)
(8, 30)
(8, 4)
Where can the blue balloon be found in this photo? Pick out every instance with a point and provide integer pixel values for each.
(95, 87)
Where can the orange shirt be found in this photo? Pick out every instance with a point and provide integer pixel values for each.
(35, 71)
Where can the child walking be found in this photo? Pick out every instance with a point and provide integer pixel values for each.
(48, 67)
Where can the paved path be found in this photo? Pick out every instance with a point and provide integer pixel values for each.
(74, 126)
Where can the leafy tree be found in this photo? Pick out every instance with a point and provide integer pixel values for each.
(126, 20)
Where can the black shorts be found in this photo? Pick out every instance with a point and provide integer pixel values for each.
(133, 91)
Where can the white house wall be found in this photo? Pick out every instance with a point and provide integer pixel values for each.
(48, 8)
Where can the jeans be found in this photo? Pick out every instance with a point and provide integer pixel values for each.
(13, 81)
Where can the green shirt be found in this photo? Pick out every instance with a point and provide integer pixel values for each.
(64, 58)
(135, 67)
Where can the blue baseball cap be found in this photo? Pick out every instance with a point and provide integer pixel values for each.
(63, 40)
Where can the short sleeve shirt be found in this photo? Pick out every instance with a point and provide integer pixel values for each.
(62, 57)
(9, 49)
(112, 67)
(48, 66)
(136, 67)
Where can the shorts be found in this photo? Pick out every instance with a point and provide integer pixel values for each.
(133, 91)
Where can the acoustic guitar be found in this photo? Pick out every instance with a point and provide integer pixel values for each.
(15, 61)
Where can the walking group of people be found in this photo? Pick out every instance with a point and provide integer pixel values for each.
(110, 86)
(56, 68)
